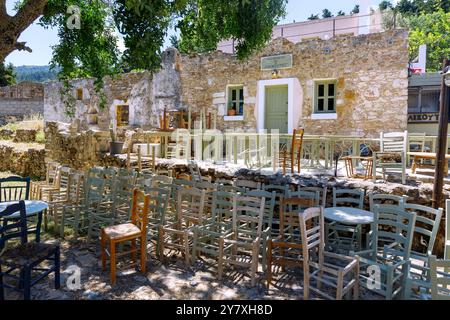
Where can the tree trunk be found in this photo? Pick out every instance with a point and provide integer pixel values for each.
(12, 26)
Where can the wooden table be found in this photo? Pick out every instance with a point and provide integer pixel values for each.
(350, 169)
(32, 207)
(417, 156)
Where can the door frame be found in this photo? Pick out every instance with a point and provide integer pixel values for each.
(294, 98)
(285, 89)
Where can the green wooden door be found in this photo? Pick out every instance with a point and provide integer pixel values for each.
(276, 108)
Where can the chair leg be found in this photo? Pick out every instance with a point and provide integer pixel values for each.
(254, 263)
(220, 260)
(26, 283)
(133, 251)
(2, 291)
(269, 263)
(103, 245)
(58, 268)
(143, 254)
(112, 258)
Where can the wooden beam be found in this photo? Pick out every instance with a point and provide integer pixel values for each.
(441, 141)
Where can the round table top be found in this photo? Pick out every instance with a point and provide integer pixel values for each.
(32, 207)
(348, 215)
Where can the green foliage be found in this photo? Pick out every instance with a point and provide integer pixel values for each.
(204, 23)
(7, 75)
(431, 29)
(385, 5)
(40, 137)
(174, 42)
(326, 13)
(35, 73)
(68, 98)
(340, 13)
(313, 17)
(415, 7)
(355, 9)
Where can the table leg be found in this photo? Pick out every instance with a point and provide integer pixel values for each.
(38, 227)
(414, 165)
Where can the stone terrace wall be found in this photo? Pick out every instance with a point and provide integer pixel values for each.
(371, 74)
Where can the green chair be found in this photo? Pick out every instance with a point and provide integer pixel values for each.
(340, 237)
(440, 278)
(322, 194)
(77, 216)
(281, 193)
(384, 266)
(447, 232)
(384, 200)
(425, 230)
(159, 199)
(206, 235)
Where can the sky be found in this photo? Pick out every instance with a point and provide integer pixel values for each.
(41, 40)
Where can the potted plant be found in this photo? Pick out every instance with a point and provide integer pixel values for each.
(115, 146)
(232, 110)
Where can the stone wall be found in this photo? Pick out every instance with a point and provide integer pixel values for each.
(23, 90)
(370, 70)
(30, 163)
(15, 109)
(146, 95)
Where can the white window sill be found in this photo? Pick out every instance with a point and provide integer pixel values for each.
(324, 116)
(233, 118)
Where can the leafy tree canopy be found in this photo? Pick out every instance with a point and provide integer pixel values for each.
(326, 13)
(313, 17)
(7, 75)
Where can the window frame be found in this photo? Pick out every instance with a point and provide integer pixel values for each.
(325, 97)
(229, 98)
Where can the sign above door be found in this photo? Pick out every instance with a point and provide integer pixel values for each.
(282, 61)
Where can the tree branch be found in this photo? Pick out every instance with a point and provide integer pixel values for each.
(28, 13)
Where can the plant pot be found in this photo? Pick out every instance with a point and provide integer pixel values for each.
(231, 112)
(115, 147)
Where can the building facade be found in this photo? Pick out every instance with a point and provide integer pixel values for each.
(347, 85)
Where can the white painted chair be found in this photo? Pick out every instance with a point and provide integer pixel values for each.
(447, 232)
(391, 145)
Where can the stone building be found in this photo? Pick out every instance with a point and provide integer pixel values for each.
(347, 85)
(21, 99)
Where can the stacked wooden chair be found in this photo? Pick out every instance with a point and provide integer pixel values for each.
(176, 235)
(439, 278)
(240, 247)
(338, 272)
(384, 266)
(290, 158)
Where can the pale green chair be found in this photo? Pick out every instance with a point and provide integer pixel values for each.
(440, 278)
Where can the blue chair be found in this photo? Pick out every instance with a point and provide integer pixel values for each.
(27, 256)
(14, 189)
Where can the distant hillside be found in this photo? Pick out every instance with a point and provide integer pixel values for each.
(35, 73)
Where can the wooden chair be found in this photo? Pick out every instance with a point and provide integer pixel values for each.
(425, 229)
(286, 249)
(241, 246)
(14, 189)
(124, 184)
(322, 194)
(50, 183)
(160, 179)
(207, 235)
(392, 145)
(292, 158)
(122, 233)
(77, 215)
(440, 278)
(388, 253)
(341, 237)
(190, 212)
(338, 272)
(384, 200)
(269, 208)
(59, 194)
(243, 186)
(28, 257)
(157, 209)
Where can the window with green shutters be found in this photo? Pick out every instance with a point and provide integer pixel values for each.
(325, 96)
(236, 99)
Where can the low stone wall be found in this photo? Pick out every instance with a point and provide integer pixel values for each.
(23, 135)
(29, 163)
(6, 134)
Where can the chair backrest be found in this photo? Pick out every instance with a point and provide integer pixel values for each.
(248, 213)
(345, 197)
(159, 179)
(312, 231)
(51, 173)
(417, 138)
(392, 225)
(144, 180)
(222, 206)
(95, 188)
(194, 170)
(269, 205)
(140, 209)
(226, 185)
(312, 197)
(297, 141)
(64, 177)
(393, 141)
(384, 200)
(426, 227)
(75, 191)
(13, 228)
(439, 278)
(289, 217)
(191, 206)
(14, 189)
(322, 193)
(245, 185)
(183, 183)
